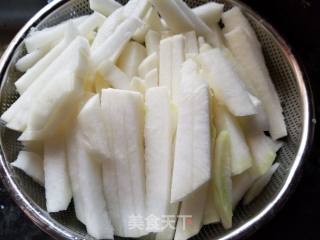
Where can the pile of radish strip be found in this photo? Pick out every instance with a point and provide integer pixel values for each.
(147, 111)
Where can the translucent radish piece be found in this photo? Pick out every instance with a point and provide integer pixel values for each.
(191, 44)
(192, 208)
(29, 60)
(90, 121)
(152, 78)
(234, 18)
(240, 185)
(210, 214)
(87, 188)
(222, 184)
(105, 7)
(193, 140)
(131, 57)
(260, 184)
(90, 24)
(201, 41)
(113, 75)
(31, 164)
(138, 84)
(48, 37)
(100, 84)
(112, 46)
(108, 27)
(152, 42)
(204, 48)
(33, 73)
(18, 113)
(57, 182)
(180, 18)
(251, 59)
(159, 136)
(241, 158)
(263, 152)
(260, 120)
(124, 174)
(225, 82)
(209, 12)
(148, 64)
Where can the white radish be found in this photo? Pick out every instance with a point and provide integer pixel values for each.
(151, 22)
(114, 76)
(171, 221)
(171, 58)
(152, 78)
(222, 184)
(262, 150)
(90, 121)
(131, 57)
(17, 115)
(113, 45)
(34, 72)
(240, 185)
(210, 214)
(192, 208)
(32, 164)
(251, 59)
(90, 24)
(234, 18)
(260, 184)
(148, 64)
(225, 82)
(191, 44)
(124, 176)
(105, 7)
(108, 27)
(87, 188)
(209, 12)
(29, 60)
(152, 41)
(53, 107)
(48, 37)
(193, 140)
(241, 158)
(159, 137)
(138, 84)
(57, 182)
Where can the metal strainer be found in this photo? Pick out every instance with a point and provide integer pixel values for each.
(285, 72)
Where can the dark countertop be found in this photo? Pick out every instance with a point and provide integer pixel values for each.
(298, 21)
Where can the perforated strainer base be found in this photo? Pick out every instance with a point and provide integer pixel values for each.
(286, 77)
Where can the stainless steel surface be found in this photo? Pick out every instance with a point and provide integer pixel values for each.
(289, 83)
